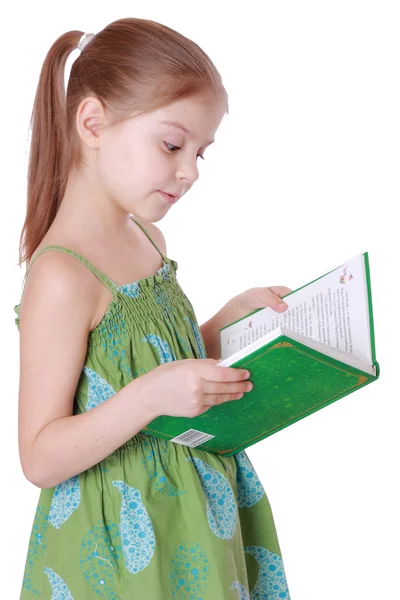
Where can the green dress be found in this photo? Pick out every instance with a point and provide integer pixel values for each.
(155, 519)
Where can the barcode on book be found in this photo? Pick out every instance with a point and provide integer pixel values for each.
(192, 438)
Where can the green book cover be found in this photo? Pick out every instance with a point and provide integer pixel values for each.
(293, 375)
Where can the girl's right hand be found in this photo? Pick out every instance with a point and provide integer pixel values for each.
(189, 387)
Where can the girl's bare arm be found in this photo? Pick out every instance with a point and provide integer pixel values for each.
(56, 315)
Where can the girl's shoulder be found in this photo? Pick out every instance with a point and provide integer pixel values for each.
(57, 282)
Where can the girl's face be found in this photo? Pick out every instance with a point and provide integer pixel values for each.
(145, 156)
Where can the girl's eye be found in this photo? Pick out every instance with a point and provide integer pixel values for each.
(174, 148)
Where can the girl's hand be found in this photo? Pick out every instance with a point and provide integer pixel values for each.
(258, 297)
(189, 387)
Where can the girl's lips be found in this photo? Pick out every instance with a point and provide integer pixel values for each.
(171, 199)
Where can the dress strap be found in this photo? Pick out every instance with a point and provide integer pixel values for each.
(149, 236)
(102, 276)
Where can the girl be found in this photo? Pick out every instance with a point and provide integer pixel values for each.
(109, 340)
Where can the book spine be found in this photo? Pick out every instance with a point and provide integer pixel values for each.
(370, 308)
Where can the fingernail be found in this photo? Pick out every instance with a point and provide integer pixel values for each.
(282, 305)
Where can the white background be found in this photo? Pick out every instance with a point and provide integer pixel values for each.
(304, 175)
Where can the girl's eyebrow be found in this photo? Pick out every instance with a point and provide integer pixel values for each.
(181, 126)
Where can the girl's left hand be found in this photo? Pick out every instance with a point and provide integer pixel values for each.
(258, 297)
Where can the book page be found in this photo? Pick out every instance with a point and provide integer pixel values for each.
(332, 310)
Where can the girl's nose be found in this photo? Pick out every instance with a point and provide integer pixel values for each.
(188, 171)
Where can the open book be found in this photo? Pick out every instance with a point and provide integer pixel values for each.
(320, 349)
(332, 315)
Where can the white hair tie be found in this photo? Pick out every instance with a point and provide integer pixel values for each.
(84, 40)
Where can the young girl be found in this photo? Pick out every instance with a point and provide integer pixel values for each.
(109, 340)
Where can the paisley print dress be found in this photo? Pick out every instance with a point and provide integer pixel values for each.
(154, 520)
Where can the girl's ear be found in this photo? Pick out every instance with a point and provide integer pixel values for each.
(90, 118)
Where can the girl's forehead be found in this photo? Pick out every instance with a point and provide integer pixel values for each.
(191, 117)
(194, 117)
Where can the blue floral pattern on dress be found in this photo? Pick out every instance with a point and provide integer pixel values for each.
(99, 389)
(100, 554)
(114, 336)
(198, 336)
(152, 454)
(189, 573)
(271, 581)
(66, 499)
(221, 506)
(132, 290)
(136, 529)
(164, 351)
(249, 487)
(59, 588)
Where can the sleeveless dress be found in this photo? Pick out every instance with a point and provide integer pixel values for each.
(154, 520)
